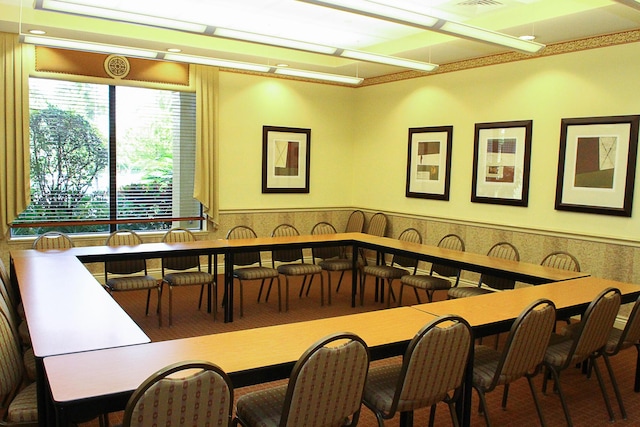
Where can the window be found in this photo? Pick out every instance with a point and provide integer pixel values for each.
(106, 157)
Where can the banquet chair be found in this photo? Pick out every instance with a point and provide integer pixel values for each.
(53, 240)
(176, 395)
(355, 223)
(293, 262)
(432, 371)
(331, 258)
(185, 271)
(561, 260)
(586, 343)
(504, 250)
(401, 265)
(439, 277)
(250, 265)
(325, 388)
(522, 355)
(123, 271)
(377, 227)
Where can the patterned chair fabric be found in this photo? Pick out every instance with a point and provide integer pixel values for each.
(504, 250)
(247, 269)
(294, 264)
(53, 240)
(432, 371)
(180, 276)
(561, 260)
(355, 223)
(325, 388)
(129, 267)
(587, 343)
(522, 355)
(377, 227)
(439, 275)
(164, 399)
(22, 405)
(400, 266)
(333, 258)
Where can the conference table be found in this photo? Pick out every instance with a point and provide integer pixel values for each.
(68, 311)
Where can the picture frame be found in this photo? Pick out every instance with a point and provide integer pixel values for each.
(597, 164)
(286, 157)
(429, 162)
(501, 161)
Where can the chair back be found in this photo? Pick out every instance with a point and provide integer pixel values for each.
(452, 242)
(201, 398)
(562, 260)
(329, 251)
(244, 258)
(527, 342)
(409, 235)
(378, 225)
(631, 333)
(327, 383)
(433, 364)
(124, 238)
(504, 250)
(53, 240)
(10, 360)
(7, 304)
(180, 235)
(596, 325)
(4, 273)
(355, 223)
(286, 255)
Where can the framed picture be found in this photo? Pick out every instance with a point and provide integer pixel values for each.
(597, 164)
(285, 159)
(501, 158)
(429, 162)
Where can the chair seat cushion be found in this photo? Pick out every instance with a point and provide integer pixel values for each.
(262, 408)
(254, 273)
(132, 283)
(558, 350)
(381, 386)
(485, 363)
(385, 271)
(336, 264)
(299, 269)
(423, 281)
(24, 407)
(187, 278)
(466, 291)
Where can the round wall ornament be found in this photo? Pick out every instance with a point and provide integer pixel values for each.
(117, 66)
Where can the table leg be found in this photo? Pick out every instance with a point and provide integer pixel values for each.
(354, 275)
(463, 405)
(228, 288)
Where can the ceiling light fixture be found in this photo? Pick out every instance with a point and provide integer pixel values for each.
(86, 46)
(216, 62)
(318, 76)
(135, 18)
(387, 12)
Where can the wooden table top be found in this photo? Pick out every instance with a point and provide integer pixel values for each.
(81, 376)
(485, 310)
(68, 310)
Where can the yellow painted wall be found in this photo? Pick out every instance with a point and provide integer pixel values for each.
(599, 82)
(247, 103)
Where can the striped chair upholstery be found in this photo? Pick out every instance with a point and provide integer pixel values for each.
(203, 398)
(294, 264)
(377, 227)
(249, 266)
(325, 388)
(185, 271)
(504, 250)
(432, 367)
(22, 403)
(125, 268)
(522, 355)
(441, 280)
(53, 241)
(331, 258)
(561, 260)
(400, 266)
(587, 343)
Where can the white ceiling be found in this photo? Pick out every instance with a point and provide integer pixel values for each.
(551, 21)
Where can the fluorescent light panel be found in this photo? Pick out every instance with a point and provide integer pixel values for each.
(318, 76)
(389, 60)
(86, 46)
(215, 62)
(274, 41)
(419, 20)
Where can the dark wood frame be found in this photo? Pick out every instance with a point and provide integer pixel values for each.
(304, 159)
(523, 175)
(629, 174)
(444, 195)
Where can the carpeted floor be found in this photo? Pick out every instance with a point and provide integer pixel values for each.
(583, 395)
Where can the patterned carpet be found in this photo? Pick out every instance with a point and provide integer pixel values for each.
(583, 395)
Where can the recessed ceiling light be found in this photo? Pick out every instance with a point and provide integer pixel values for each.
(37, 32)
(174, 50)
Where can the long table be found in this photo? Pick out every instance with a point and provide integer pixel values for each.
(62, 299)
